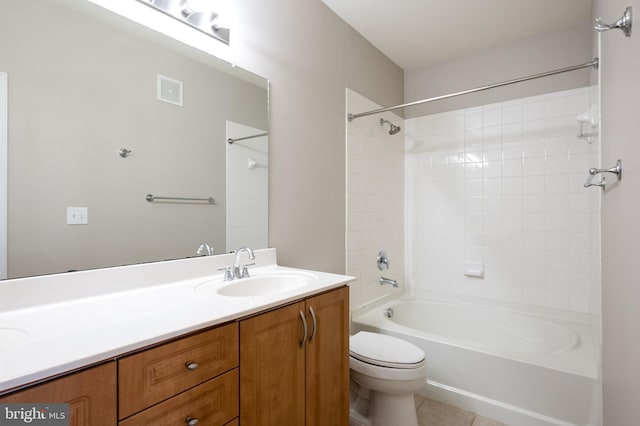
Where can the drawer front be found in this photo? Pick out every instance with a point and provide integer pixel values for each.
(90, 393)
(151, 376)
(213, 403)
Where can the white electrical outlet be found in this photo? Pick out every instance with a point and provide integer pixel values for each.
(77, 215)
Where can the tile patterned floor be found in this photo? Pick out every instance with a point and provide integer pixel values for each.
(433, 413)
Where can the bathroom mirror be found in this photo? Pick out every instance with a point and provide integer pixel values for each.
(103, 112)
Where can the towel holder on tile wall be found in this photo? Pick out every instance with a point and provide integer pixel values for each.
(617, 170)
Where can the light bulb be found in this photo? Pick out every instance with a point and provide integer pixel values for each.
(198, 5)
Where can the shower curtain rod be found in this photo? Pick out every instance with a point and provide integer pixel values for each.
(593, 63)
(230, 141)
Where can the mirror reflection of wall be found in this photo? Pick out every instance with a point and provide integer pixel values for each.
(247, 186)
(81, 89)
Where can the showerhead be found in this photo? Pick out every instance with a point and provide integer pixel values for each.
(393, 128)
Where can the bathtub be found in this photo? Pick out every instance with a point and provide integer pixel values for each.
(515, 367)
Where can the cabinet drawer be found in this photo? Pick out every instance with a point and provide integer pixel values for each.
(90, 393)
(213, 403)
(151, 376)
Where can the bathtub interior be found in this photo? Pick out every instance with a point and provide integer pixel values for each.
(557, 343)
(548, 380)
(512, 332)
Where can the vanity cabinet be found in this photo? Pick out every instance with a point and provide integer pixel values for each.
(295, 363)
(190, 380)
(90, 393)
(285, 366)
(195, 377)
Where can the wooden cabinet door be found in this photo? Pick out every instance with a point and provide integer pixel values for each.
(327, 359)
(90, 393)
(272, 377)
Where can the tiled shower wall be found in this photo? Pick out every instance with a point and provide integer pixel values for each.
(375, 201)
(502, 185)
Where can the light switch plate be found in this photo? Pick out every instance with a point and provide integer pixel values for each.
(77, 215)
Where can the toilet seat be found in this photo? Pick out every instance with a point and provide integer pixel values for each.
(385, 351)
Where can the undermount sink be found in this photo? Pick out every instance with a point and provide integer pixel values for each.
(261, 285)
(11, 339)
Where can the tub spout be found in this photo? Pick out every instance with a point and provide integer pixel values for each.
(389, 281)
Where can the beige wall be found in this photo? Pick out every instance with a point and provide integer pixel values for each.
(502, 63)
(620, 225)
(310, 56)
(78, 92)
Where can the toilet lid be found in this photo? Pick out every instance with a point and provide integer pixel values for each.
(385, 351)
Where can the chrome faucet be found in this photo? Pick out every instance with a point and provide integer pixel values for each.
(204, 249)
(383, 280)
(237, 272)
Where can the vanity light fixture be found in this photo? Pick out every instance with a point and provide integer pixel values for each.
(198, 14)
(146, 14)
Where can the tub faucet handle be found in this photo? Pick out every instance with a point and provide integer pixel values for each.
(382, 260)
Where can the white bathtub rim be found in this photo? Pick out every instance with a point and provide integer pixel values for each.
(491, 408)
(516, 308)
(374, 303)
(374, 317)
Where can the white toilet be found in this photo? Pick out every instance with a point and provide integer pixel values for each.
(385, 372)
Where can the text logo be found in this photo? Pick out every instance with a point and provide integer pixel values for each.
(34, 414)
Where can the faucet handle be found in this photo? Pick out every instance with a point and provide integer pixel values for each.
(245, 270)
(227, 273)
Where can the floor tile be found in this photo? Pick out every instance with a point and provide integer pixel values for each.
(419, 400)
(483, 421)
(433, 413)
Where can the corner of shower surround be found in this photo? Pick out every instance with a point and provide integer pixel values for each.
(375, 202)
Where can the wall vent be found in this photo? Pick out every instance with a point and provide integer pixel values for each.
(169, 90)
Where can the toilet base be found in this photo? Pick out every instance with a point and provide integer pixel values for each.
(371, 408)
(357, 419)
(390, 410)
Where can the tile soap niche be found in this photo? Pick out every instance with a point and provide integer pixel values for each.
(589, 122)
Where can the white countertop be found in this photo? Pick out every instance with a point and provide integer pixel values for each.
(53, 324)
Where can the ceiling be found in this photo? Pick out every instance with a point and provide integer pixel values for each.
(418, 33)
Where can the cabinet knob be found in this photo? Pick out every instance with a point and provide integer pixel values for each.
(191, 421)
(191, 366)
